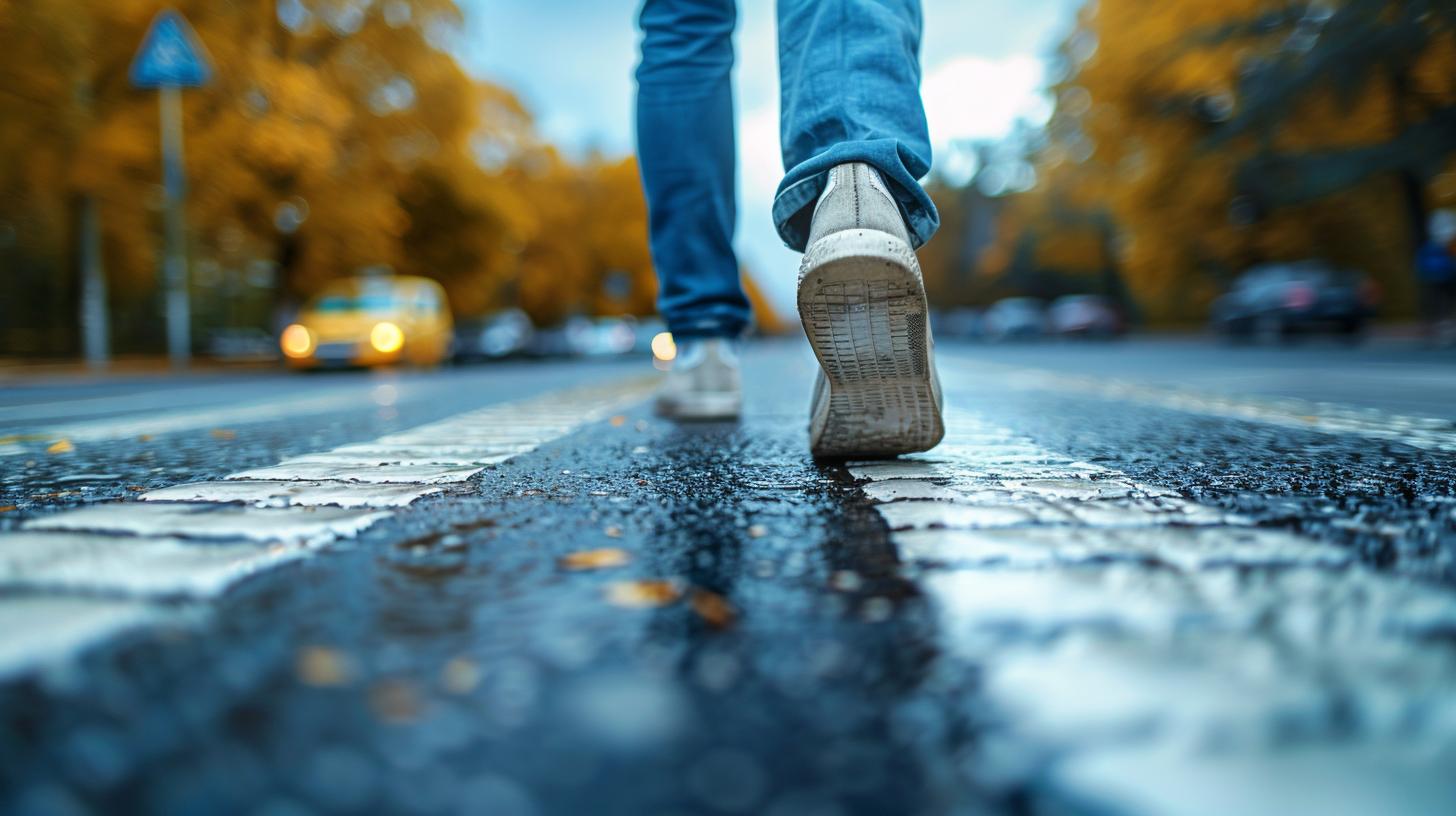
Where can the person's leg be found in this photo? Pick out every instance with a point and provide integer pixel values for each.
(855, 146)
(685, 146)
(850, 85)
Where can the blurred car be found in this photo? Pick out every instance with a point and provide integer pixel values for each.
(242, 345)
(958, 324)
(569, 339)
(1277, 301)
(1090, 316)
(371, 321)
(506, 333)
(1020, 318)
(611, 336)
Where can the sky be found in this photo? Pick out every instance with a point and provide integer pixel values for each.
(571, 61)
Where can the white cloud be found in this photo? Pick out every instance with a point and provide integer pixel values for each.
(975, 98)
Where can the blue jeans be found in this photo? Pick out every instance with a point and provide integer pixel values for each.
(850, 92)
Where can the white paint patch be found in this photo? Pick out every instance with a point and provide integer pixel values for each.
(361, 473)
(150, 567)
(196, 540)
(155, 424)
(1332, 780)
(413, 458)
(1427, 433)
(299, 526)
(293, 494)
(1115, 621)
(47, 629)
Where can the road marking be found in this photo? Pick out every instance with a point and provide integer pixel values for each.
(1426, 433)
(1112, 620)
(131, 567)
(156, 424)
(296, 526)
(197, 540)
(355, 471)
(293, 494)
(46, 629)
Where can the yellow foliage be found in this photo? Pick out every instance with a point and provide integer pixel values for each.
(1146, 86)
(315, 151)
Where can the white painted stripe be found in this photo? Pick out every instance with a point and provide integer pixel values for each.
(362, 473)
(415, 457)
(46, 629)
(155, 424)
(1427, 433)
(293, 494)
(150, 567)
(307, 502)
(301, 526)
(1114, 620)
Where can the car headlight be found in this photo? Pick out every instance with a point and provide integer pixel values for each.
(296, 341)
(663, 347)
(386, 337)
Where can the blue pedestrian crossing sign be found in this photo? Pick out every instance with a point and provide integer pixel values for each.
(171, 56)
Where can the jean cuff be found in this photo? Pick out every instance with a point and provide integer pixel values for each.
(789, 207)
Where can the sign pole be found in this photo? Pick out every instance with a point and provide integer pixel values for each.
(179, 320)
(170, 59)
(95, 330)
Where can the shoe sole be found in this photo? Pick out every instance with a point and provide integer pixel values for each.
(862, 302)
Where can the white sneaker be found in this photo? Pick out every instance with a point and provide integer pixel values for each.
(862, 302)
(705, 383)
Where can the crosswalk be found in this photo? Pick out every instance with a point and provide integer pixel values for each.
(1120, 627)
(76, 577)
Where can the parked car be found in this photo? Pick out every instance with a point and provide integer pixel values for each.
(1090, 316)
(506, 333)
(1279, 300)
(570, 339)
(958, 324)
(371, 321)
(1021, 318)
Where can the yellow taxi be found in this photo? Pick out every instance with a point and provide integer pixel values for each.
(371, 321)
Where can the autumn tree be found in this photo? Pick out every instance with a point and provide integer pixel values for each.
(1216, 136)
(336, 135)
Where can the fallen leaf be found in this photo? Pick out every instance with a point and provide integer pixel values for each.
(61, 446)
(613, 531)
(604, 558)
(618, 421)
(223, 433)
(460, 676)
(322, 666)
(395, 701)
(136, 488)
(713, 608)
(144, 438)
(643, 594)
(7, 508)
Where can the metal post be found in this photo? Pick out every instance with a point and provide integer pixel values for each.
(179, 328)
(95, 328)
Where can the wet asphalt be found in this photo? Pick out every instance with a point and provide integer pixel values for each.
(446, 662)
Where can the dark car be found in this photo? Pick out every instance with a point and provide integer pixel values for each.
(1278, 301)
(504, 334)
(961, 323)
(1091, 316)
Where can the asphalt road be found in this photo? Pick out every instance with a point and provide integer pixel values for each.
(1150, 577)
